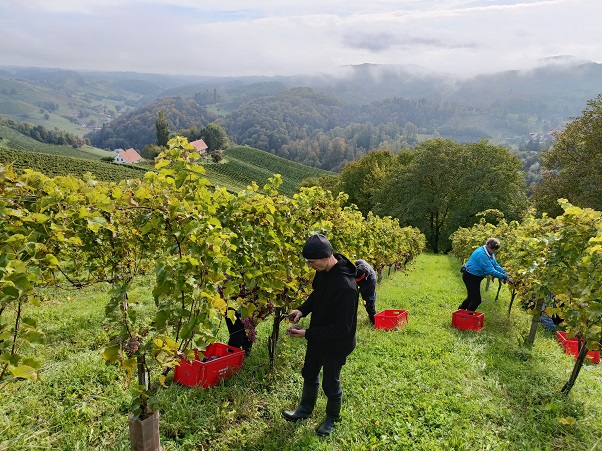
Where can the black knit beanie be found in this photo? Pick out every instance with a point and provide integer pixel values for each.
(316, 247)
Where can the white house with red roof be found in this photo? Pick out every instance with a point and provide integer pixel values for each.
(128, 156)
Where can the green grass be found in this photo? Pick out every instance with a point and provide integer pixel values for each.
(424, 387)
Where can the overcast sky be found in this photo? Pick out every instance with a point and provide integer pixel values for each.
(286, 37)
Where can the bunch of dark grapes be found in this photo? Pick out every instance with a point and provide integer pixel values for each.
(131, 346)
(209, 359)
(250, 324)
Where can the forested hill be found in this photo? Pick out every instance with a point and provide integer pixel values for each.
(323, 121)
(137, 128)
(326, 126)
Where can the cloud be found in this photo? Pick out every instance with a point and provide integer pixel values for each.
(269, 37)
(380, 42)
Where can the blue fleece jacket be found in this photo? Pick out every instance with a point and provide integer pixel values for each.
(482, 264)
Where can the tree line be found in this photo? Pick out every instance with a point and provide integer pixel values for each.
(44, 135)
(138, 128)
(300, 124)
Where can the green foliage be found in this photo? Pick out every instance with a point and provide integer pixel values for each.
(445, 184)
(328, 182)
(215, 137)
(150, 151)
(13, 139)
(321, 131)
(162, 126)
(44, 135)
(362, 179)
(138, 128)
(574, 164)
(546, 256)
(207, 248)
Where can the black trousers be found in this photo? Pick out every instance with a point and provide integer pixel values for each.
(238, 335)
(370, 298)
(473, 290)
(331, 373)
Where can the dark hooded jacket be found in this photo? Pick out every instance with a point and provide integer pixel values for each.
(333, 306)
(365, 277)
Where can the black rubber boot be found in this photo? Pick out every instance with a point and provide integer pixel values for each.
(306, 405)
(333, 415)
(371, 318)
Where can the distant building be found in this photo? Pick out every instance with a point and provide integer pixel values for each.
(129, 156)
(200, 146)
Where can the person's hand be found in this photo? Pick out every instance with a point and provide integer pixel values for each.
(295, 316)
(296, 331)
(510, 280)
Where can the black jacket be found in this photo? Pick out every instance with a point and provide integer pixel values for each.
(365, 277)
(333, 307)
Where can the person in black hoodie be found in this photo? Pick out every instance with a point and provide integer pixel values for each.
(330, 336)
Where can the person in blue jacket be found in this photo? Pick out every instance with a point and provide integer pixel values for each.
(482, 263)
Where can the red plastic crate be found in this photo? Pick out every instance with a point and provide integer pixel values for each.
(212, 372)
(571, 347)
(467, 320)
(391, 319)
(561, 339)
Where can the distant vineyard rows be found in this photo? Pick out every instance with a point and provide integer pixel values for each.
(53, 165)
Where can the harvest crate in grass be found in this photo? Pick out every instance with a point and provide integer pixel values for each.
(571, 347)
(220, 362)
(467, 320)
(391, 319)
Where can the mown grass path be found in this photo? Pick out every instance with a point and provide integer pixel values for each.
(425, 387)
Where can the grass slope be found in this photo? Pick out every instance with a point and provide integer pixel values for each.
(24, 152)
(54, 165)
(12, 139)
(243, 165)
(425, 387)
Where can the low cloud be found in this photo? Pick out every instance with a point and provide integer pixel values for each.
(381, 42)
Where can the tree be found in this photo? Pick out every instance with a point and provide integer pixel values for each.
(573, 166)
(150, 151)
(361, 179)
(162, 129)
(328, 182)
(411, 133)
(215, 137)
(446, 184)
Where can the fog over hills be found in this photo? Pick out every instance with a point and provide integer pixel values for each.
(495, 106)
(565, 76)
